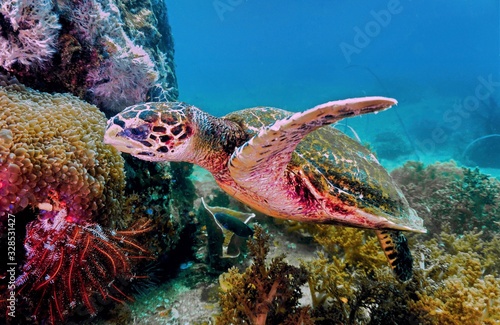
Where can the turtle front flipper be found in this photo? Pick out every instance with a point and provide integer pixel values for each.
(395, 246)
(265, 156)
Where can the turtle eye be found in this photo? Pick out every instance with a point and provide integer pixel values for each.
(138, 133)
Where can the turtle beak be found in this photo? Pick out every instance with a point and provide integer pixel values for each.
(127, 141)
(115, 137)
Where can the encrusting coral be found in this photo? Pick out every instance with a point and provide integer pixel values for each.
(54, 165)
(264, 293)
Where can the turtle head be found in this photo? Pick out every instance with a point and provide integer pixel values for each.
(153, 131)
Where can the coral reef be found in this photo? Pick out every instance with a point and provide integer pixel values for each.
(72, 265)
(354, 248)
(455, 281)
(147, 23)
(28, 34)
(263, 294)
(113, 53)
(166, 197)
(51, 152)
(350, 281)
(450, 198)
(55, 169)
(363, 296)
(125, 71)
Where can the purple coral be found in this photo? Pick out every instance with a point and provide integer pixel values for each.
(28, 33)
(94, 49)
(126, 71)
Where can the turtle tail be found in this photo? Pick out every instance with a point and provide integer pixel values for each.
(395, 246)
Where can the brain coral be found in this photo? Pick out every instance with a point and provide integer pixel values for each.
(51, 154)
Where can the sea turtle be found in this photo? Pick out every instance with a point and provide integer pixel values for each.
(282, 164)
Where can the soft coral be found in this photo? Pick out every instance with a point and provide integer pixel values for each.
(264, 294)
(29, 31)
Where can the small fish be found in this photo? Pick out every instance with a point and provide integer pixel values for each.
(233, 224)
(185, 266)
(234, 227)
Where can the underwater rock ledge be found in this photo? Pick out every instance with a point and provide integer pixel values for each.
(112, 53)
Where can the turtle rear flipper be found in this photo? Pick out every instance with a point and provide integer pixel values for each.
(395, 246)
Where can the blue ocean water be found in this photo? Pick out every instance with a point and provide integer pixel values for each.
(439, 59)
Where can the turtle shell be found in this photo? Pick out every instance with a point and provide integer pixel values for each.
(338, 166)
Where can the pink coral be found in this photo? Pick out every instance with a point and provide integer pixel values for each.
(29, 35)
(126, 71)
